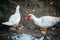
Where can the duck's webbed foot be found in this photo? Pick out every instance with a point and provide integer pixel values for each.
(43, 30)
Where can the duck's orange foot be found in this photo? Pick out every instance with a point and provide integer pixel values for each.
(43, 30)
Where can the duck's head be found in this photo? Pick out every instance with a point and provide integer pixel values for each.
(29, 16)
(17, 7)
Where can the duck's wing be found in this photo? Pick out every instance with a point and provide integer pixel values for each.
(49, 21)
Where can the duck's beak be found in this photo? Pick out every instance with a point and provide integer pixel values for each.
(26, 17)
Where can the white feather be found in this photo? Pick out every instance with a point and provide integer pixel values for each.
(45, 21)
(14, 19)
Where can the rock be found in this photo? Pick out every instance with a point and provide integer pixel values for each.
(42, 38)
(26, 37)
(22, 37)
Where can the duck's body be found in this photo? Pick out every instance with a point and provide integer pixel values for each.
(44, 22)
(14, 19)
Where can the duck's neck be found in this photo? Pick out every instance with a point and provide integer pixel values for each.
(34, 18)
(17, 11)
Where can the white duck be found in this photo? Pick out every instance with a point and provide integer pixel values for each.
(44, 22)
(14, 19)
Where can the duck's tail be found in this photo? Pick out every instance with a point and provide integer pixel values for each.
(58, 18)
(7, 23)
